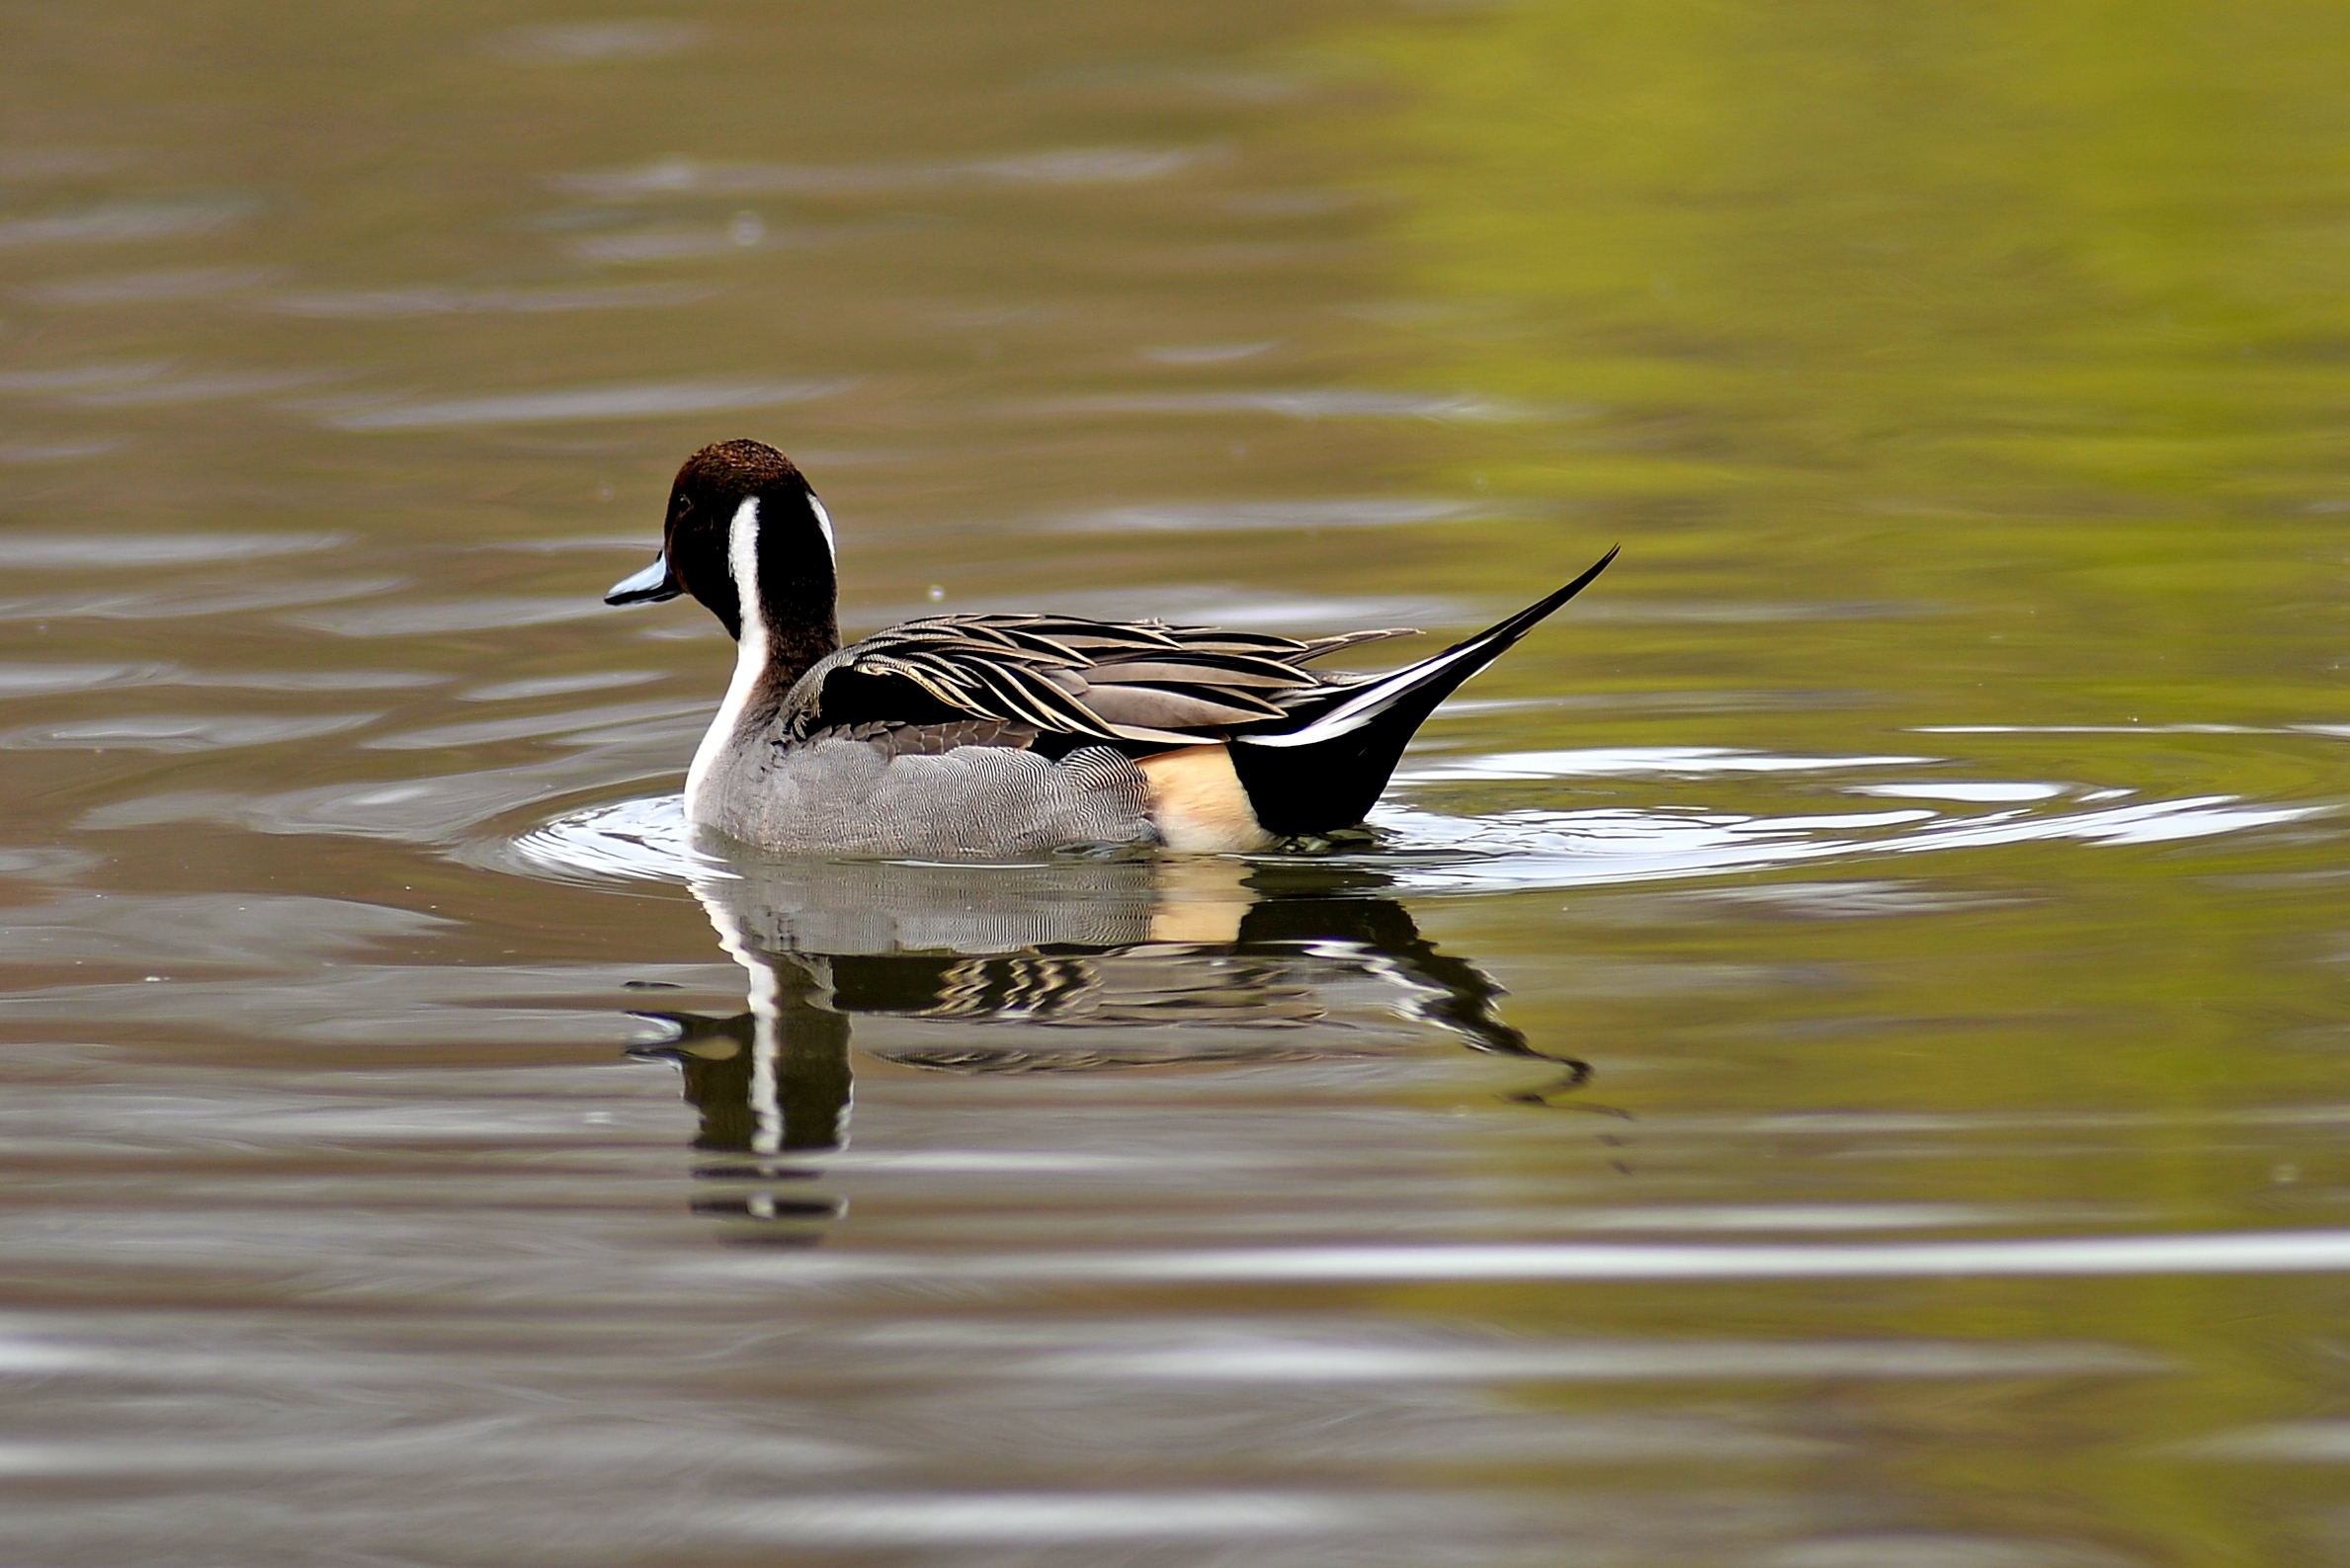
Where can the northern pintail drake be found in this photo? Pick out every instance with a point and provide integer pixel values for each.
(1002, 735)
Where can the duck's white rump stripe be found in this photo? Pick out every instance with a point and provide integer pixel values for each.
(750, 657)
(1360, 708)
(824, 522)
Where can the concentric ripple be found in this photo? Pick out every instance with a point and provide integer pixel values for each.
(1423, 849)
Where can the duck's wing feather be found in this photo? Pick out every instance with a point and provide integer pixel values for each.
(1135, 682)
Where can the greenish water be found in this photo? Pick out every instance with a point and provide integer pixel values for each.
(1837, 1063)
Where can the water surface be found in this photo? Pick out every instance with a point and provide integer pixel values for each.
(1835, 1057)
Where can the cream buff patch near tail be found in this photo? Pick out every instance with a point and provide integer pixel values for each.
(1198, 804)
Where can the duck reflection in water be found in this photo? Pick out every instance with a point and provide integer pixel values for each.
(1110, 964)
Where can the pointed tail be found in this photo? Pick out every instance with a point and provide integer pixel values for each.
(1325, 766)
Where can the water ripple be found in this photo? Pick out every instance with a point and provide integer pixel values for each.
(439, 616)
(1369, 512)
(1273, 1360)
(1426, 850)
(82, 551)
(1535, 849)
(65, 451)
(70, 377)
(195, 388)
(179, 732)
(1076, 166)
(642, 400)
(170, 604)
(916, 1519)
(395, 303)
(2056, 1256)
(1311, 403)
(188, 283)
(587, 43)
(123, 221)
(1660, 761)
(1236, 608)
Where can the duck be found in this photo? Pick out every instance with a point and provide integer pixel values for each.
(995, 736)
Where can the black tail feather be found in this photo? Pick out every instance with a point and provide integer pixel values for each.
(1322, 768)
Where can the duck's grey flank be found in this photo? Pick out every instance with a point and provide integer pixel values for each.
(841, 795)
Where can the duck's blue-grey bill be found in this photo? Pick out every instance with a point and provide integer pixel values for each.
(647, 587)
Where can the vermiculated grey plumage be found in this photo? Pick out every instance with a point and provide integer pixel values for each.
(841, 796)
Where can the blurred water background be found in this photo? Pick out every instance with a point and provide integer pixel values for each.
(1838, 1062)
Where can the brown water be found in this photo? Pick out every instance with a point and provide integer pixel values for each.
(1838, 1062)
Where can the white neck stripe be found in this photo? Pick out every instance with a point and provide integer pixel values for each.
(750, 658)
(742, 563)
(824, 522)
